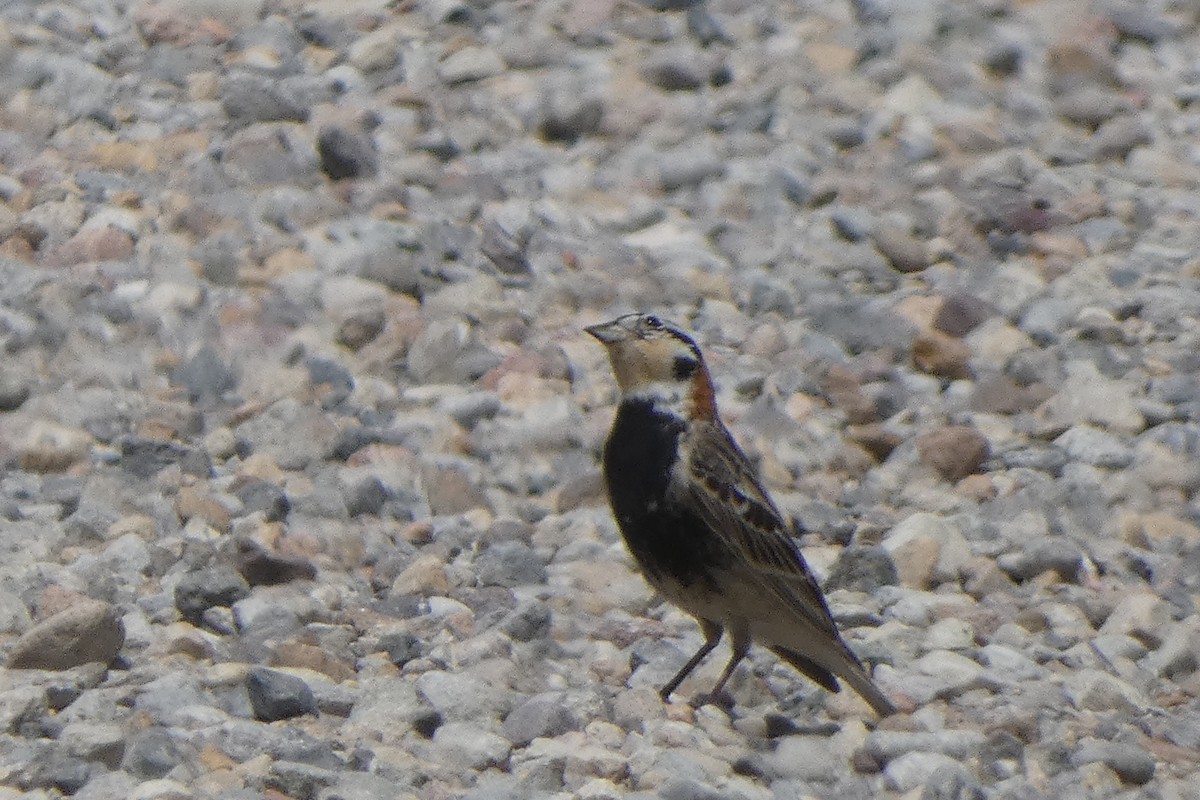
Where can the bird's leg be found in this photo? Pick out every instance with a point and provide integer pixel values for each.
(740, 645)
(712, 635)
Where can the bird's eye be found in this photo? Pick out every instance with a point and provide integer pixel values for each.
(652, 322)
(684, 367)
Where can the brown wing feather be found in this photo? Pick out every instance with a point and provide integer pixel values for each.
(729, 498)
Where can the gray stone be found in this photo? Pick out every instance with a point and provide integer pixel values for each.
(862, 569)
(14, 616)
(461, 697)
(1131, 763)
(688, 789)
(914, 769)
(115, 785)
(884, 746)
(345, 154)
(952, 782)
(401, 647)
(15, 389)
(1087, 396)
(205, 376)
(569, 115)
(445, 352)
(808, 758)
(366, 496)
(89, 630)
(292, 434)
(541, 715)
(295, 779)
(199, 591)
(276, 695)
(102, 742)
(248, 98)
(530, 621)
(22, 709)
(688, 167)
(676, 71)
(467, 746)
(470, 64)
(510, 564)
(1055, 553)
(154, 752)
(1096, 447)
(265, 498)
(903, 251)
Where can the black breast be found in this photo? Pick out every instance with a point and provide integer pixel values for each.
(664, 536)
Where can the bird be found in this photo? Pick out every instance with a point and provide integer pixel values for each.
(697, 521)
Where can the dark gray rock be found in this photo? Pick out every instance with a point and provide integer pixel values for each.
(401, 647)
(346, 154)
(569, 115)
(276, 695)
(199, 591)
(366, 496)
(14, 390)
(677, 71)
(529, 622)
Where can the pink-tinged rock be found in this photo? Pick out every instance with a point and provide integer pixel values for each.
(955, 451)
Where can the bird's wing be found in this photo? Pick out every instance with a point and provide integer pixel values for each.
(724, 490)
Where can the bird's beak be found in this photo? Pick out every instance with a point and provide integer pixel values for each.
(608, 332)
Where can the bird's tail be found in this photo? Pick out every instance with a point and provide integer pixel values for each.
(851, 672)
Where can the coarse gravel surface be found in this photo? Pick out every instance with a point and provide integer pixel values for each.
(300, 430)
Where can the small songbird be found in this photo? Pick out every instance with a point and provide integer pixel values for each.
(695, 517)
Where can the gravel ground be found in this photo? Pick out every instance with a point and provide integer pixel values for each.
(300, 432)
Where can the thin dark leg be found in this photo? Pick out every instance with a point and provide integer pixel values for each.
(740, 646)
(712, 635)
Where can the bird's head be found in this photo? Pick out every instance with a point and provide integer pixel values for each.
(655, 360)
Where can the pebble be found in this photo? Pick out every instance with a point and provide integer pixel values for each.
(541, 715)
(470, 64)
(1093, 446)
(86, 631)
(276, 695)
(680, 71)
(901, 249)
(461, 697)
(912, 770)
(465, 746)
(1132, 764)
(954, 451)
(199, 591)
